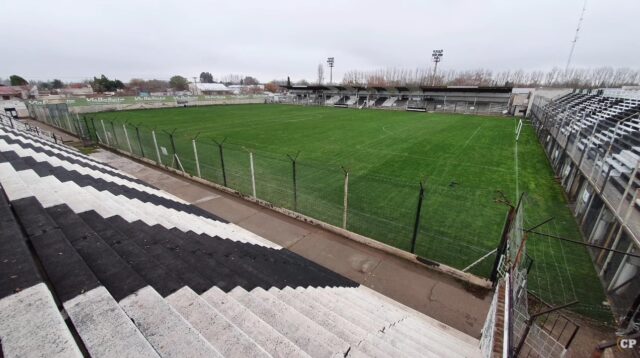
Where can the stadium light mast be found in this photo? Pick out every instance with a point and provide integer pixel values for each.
(437, 57)
(575, 38)
(330, 61)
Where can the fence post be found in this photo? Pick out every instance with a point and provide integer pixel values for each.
(224, 173)
(115, 137)
(626, 190)
(295, 186)
(155, 144)
(66, 115)
(345, 201)
(95, 129)
(104, 129)
(139, 141)
(416, 226)
(173, 144)
(126, 136)
(253, 174)
(195, 156)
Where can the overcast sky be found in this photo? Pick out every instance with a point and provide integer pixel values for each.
(74, 40)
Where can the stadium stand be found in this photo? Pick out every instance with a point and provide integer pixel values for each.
(460, 99)
(592, 139)
(615, 127)
(140, 272)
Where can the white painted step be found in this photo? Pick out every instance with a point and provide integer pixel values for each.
(42, 157)
(349, 332)
(404, 341)
(150, 213)
(223, 335)
(368, 322)
(420, 329)
(104, 328)
(400, 330)
(302, 331)
(62, 150)
(262, 333)
(166, 330)
(31, 326)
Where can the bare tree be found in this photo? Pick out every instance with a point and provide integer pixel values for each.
(555, 77)
(320, 74)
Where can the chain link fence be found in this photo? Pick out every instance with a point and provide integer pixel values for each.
(437, 222)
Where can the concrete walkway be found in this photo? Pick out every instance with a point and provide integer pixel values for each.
(433, 293)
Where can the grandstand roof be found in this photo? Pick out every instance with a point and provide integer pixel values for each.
(481, 89)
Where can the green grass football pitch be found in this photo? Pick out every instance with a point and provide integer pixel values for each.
(465, 161)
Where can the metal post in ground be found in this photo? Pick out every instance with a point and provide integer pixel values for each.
(253, 175)
(295, 184)
(115, 137)
(66, 115)
(195, 155)
(155, 144)
(126, 136)
(173, 144)
(416, 226)
(224, 173)
(104, 129)
(139, 141)
(345, 201)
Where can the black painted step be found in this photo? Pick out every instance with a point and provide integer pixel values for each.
(65, 268)
(69, 158)
(17, 268)
(169, 259)
(44, 169)
(154, 273)
(112, 271)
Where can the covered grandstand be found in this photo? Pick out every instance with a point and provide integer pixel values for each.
(592, 139)
(462, 99)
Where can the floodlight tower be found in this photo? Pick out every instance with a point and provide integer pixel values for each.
(575, 38)
(437, 57)
(330, 61)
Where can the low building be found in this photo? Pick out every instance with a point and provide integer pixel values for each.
(77, 89)
(209, 89)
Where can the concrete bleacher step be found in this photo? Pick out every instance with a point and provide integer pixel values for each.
(31, 324)
(357, 337)
(423, 330)
(260, 331)
(169, 333)
(33, 327)
(223, 335)
(24, 148)
(301, 330)
(64, 151)
(163, 327)
(101, 324)
(147, 211)
(370, 323)
(394, 328)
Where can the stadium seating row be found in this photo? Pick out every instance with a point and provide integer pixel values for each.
(605, 129)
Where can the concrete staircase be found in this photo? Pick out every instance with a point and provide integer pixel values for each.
(95, 262)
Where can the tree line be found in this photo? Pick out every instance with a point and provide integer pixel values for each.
(575, 78)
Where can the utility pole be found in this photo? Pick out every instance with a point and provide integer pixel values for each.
(330, 61)
(575, 38)
(195, 85)
(437, 57)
